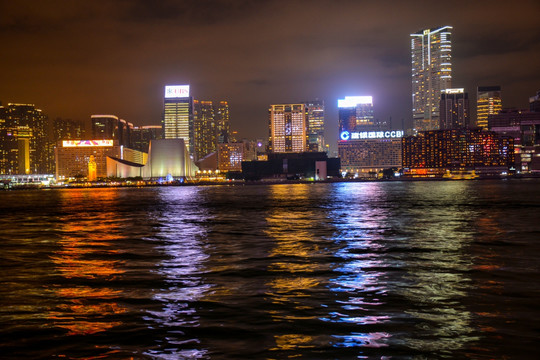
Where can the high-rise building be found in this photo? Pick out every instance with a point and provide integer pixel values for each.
(315, 114)
(431, 51)
(221, 113)
(111, 127)
(230, 156)
(488, 102)
(178, 115)
(142, 135)
(205, 131)
(454, 109)
(212, 127)
(288, 128)
(24, 145)
(356, 114)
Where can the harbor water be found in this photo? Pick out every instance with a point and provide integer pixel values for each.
(367, 270)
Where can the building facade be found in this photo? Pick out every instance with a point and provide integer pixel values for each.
(431, 52)
(178, 115)
(73, 157)
(454, 109)
(24, 144)
(366, 153)
(142, 135)
(288, 128)
(111, 127)
(488, 102)
(437, 152)
(230, 156)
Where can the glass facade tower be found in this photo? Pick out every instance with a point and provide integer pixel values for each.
(431, 52)
(178, 115)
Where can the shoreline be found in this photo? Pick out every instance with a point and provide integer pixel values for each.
(252, 183)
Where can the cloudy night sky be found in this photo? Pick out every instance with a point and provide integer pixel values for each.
(77, 58)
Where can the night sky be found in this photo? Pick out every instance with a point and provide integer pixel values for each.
(77, 58)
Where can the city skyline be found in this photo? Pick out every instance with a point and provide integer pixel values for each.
(75, 60)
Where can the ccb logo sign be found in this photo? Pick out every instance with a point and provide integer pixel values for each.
(345, 135)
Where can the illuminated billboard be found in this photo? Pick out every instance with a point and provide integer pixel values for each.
(345, 135)
(352, 101)
(176, 91)
(86, 143)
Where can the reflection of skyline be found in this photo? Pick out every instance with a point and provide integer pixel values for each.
(181, 236)
(292, 259)
(361, 285)
(436, 279)
(86, 248)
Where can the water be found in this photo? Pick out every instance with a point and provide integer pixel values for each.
(412, 270)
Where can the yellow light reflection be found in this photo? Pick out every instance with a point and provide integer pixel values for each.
(86, 245)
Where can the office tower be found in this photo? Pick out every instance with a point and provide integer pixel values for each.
(315, 115)
(205, 132)
(24, 146)
(178, 115)
(534, 102)
(454, 109)
(142, 135)
(105, 127)
(431, 52)
(221, 113)
(488, 102)
(356, 114)
(287, 128)
(110, 127)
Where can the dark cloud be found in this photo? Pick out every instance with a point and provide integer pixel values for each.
(75, 58)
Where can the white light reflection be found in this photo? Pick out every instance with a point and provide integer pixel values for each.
(360, 286)
(180, 234)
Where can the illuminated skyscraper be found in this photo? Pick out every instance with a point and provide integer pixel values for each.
(315, 115)
(431, 52)
(24, 147)
(205, 128)
(356, 114)
(454, 109)
(288, 128)
(178, 115)
(223, 122)
(488, 102)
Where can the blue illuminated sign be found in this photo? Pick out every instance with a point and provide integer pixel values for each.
(345, 135)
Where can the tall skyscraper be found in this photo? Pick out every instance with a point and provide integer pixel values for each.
(205, 128)
(454, 109)
(431, 52)
(24, 146)
(488, 102)
(178, 115)
(223, 122)
(356, 114)
(315, 114)
(288, 128)
(212, 127)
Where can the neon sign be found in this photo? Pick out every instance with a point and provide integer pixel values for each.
(394, 134)
(86, 143)
(177, 91)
